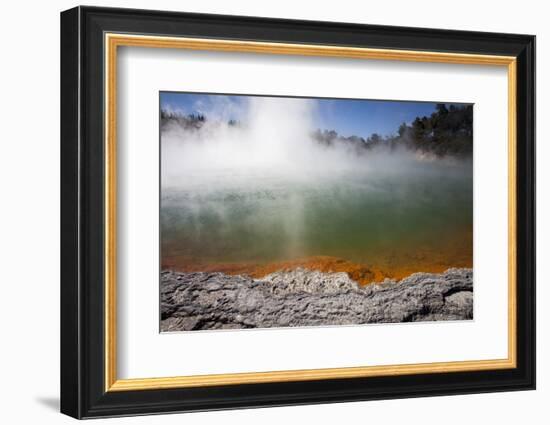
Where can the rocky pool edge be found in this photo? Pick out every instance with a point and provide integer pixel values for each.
(300, 297)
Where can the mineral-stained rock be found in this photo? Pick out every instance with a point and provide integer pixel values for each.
(194, 301)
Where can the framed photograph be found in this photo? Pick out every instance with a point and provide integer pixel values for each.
(261, 212)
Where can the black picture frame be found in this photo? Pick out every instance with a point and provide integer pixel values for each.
(83, 392)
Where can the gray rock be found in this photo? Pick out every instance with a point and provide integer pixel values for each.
(310, 281)
(195, 301)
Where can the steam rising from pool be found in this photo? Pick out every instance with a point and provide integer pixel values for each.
(264, 189)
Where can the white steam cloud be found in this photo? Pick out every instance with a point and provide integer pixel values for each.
(273, 138)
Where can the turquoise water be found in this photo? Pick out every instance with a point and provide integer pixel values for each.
(383, 214)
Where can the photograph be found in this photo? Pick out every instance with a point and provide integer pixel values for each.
(283, 212)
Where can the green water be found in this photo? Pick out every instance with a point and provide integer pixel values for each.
(228, 217)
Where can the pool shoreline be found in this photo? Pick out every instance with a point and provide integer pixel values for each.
(363, 273)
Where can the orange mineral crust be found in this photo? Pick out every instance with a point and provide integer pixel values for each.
(374, 272)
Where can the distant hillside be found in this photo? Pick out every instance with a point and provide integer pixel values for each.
(446, 132)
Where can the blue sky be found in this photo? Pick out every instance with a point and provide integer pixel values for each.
(346, 116)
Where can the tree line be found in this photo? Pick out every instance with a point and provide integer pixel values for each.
(448, 131)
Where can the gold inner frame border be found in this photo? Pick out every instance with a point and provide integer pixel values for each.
(111, 43)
